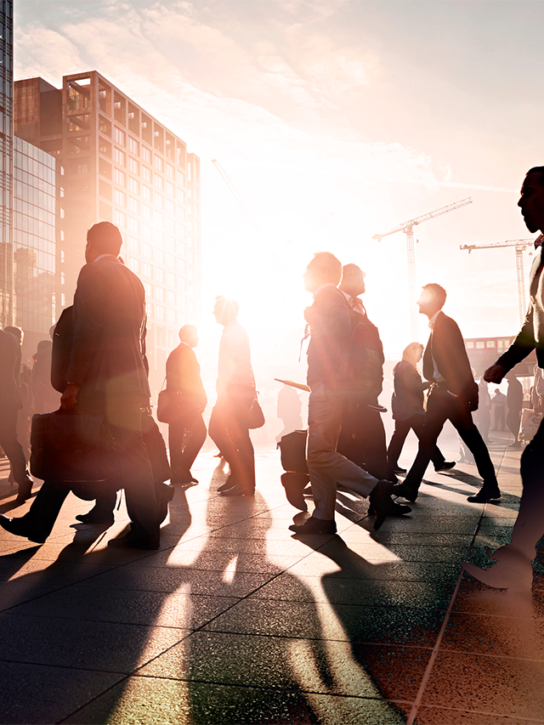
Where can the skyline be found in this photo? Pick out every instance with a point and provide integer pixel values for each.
(335, 121)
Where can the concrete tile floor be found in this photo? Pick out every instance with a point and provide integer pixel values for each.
(235, 621)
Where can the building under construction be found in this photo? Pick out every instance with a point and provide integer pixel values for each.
(117, 163)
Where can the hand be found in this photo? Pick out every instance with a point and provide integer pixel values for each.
(69, 397)
(494, 374)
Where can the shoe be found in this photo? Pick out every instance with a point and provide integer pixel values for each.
(383, 505)
(237, 490)
(95, 517)
(446, 466)
(402, 489)
(484, 496)
(512, 571)
(229, 483)
(397, 510)
(182, 477)
(398, 469)
(314, 526)
(131, 541)
(165, 495)
(19, 528)
(25, 489)
(294, 485)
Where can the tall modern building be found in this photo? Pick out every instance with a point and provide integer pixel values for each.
(6, 162)
(34, 242)
(120, 164)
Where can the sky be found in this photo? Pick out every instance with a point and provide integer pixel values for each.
(335, 121)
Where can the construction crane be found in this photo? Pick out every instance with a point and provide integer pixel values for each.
(520, 245)
(408, 229)
(236, 194)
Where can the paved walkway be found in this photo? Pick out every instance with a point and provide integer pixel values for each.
(234, 621)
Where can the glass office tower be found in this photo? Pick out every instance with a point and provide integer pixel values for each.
(6, 162)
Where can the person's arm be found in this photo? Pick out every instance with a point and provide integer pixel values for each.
(518, 351)
(335, 322)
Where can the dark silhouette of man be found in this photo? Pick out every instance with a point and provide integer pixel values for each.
(10, 404)
(514, 569)
(106, 377)
(330, 324)
(453, 396)
(187, 434)
(514, 401)
(229, 421)
(362, 438)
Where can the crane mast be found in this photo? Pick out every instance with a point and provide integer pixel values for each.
(408, 229)
(520, 245)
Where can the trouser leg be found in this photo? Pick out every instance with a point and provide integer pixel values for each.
(45, 508)
(12, 448)
(437, 457)
(437, 413)
(238, 429)
(461, 418)
(176, 434)
(396, 444)
(370, 438)
(529, 526)
(195, 439)
(325, 465)
(512, 421)
(219, 432)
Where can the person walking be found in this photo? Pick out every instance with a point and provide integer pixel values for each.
(229, 421)
(187, 433)
(330, 325)
(453, 397)
(106, 376)
(408, 411)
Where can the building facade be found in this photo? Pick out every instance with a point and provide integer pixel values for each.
(121, 165)
(34, 242)
(6, 162)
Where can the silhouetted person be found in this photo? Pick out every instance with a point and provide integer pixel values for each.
(289, 409)
(106, 377)
(514, 569)
(330, 324)
(514, 401)
(498, 406)
(46, 398)
(25, 412)
(229, 421)
(453, 396)
(10, 404)
(187, 434)
(537, 394)
(408, 410)
(362, 438)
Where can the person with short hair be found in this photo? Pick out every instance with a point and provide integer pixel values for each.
(513, 569)
(187, 433)
(106, 376)
(453, 396)
(330, 325)
(229, 421)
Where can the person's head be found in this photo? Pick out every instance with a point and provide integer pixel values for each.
(103, 238)
(531, 201)
(189, 335)
(225, 310)
(353, 280)
(324, 268)
(431, 299)
(413, 353)
(17, 333)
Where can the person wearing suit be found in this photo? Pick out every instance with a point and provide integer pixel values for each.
(106, 376)
(186, 434)
(513, 569)
(330, 324)
(10, 404)
(453, 397)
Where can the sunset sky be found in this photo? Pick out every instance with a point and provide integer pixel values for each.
(335, 120)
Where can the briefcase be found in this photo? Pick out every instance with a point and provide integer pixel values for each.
(293, 451)
(67, 447)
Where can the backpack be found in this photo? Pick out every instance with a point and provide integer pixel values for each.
(365, 358)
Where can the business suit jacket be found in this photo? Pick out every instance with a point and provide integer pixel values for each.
(330, 338)
(108, 344)
(531, 335)
(10, 352)
(447, 347)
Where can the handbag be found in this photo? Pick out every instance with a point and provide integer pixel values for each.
(172, 405)
(293, 451)
(255, 415)
(68, 447)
